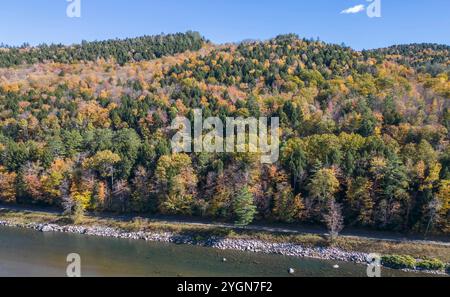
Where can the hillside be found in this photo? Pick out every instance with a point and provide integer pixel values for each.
(424, 57)
(121, 50)
(365, 135)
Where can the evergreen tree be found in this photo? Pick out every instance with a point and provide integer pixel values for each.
(244, 208)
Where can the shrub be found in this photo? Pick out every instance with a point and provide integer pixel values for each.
(78, 213)
(430, 264)
(138, 224)
(399, 261)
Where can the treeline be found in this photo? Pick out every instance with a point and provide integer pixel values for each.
(121, 50)
(285, 62)
(424, 57)
(364, 142)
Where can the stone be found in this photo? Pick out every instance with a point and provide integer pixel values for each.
(46, 228)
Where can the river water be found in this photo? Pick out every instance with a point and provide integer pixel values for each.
(31, 253)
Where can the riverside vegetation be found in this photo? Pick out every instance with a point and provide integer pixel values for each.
(365, 139)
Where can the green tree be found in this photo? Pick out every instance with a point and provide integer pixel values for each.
(324, 185)
(360, 199)
(176, 184)
(103, 162)
(244, 208)
(127, 145)
(294, 160)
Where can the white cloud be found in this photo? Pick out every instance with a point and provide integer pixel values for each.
(354, 9)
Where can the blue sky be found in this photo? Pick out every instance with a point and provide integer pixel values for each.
(402, 21)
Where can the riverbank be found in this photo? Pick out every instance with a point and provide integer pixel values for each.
(286, 249)
(305, 246)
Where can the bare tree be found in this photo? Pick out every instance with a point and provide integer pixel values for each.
(67, 201)
(73, 209)
(121, 193)
(433, 209)
(333, 218)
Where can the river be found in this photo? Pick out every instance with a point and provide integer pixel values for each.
(30, 253)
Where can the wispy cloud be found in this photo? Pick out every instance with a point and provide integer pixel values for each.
(354, 9)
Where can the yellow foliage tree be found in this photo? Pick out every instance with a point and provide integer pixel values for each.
(444, 197)
(103, 162)
(51, 181)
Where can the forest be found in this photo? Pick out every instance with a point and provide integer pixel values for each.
(364, 134)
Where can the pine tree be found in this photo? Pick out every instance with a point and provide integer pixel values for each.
(244, 208)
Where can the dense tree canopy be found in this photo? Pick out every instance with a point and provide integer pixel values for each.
(121, 50)
(364, 135)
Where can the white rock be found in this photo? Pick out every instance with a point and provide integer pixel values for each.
(47, 229)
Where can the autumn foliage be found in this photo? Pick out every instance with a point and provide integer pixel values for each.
(365, 135)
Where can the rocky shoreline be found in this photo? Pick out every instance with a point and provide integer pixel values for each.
(257, 246)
